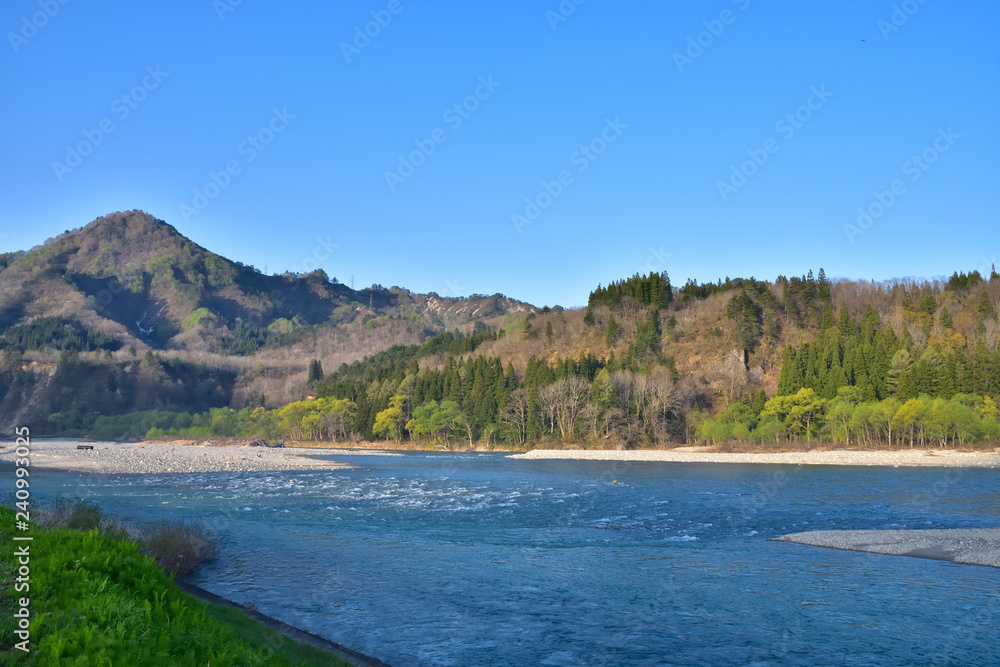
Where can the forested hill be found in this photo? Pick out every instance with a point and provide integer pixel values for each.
(140, 317)
(126, 327)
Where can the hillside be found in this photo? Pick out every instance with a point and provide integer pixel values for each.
(137, 317)
(127, 316)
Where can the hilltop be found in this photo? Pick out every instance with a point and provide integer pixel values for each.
(96, 302)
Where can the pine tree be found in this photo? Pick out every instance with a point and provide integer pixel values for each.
(945, 318)
(550, 336)
(826, 319)
(928, 305)
(822, 285)
(985, 310)
(612, 331)
(588, 317)
(790, 376)
(315, 371)
(845, 325)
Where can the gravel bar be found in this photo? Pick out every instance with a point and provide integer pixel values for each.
(186, 457)
(974, 546)
(896, 458)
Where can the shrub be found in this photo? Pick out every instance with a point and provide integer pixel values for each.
(178, 547)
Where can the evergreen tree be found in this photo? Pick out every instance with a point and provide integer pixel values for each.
(945, 318)
(746, 318)
(845, 325)
(588, 317)
(315, 371)
(826, 319)
(526, 330)
(928, 305)
(549, 335)
(790, 377)
(611, 332)
(985, 310)
(822, 285)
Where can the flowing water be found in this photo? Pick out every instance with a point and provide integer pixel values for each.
(476, 559)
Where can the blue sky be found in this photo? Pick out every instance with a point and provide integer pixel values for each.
(591, 141)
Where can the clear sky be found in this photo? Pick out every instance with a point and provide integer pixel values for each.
(612, 129)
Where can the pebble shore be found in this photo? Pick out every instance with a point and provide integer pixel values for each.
(157, 457)
(974, 546)
(896, 458)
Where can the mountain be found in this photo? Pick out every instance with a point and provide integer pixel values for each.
(126, 317)
(128, 286)
(138, 279)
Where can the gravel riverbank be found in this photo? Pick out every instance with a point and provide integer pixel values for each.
(184, 456)
(908, 457)
(975, 546)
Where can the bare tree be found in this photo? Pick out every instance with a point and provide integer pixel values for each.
(592, 414)
(572, 396)
(515, 415)
(549, 398)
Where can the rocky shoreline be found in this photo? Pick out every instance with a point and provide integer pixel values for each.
(896, 458)
(973, 546)
(180, 456)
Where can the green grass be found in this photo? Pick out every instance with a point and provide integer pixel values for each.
(97, 601)
(251, 630)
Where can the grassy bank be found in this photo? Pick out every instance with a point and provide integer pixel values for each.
(95, 600)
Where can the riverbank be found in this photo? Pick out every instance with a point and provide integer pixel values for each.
(100, 600)
(179, 456)
(973, 546)
(896, 458)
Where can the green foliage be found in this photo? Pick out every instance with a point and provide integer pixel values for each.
(985, 309)
(57, 333)
(315, 371)
(389, 422)
(98, 601)
(434, 419)
(611, 332)
(747, 318)
(849, 419)
(963, 281)
(200, 317)
(650, 290)
(870, 357)
(245, 340)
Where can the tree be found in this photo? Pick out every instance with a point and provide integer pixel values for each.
(746, 318)
(611, 332)
(526, 331)
(909, 415)
(798, 410)
(571, 395)
(588, 317)
(514, 417)
(822, 285)
(945, 318)
(315, 371)
(549, 335)
(985, 309)
(389, 422)
(899, 365)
